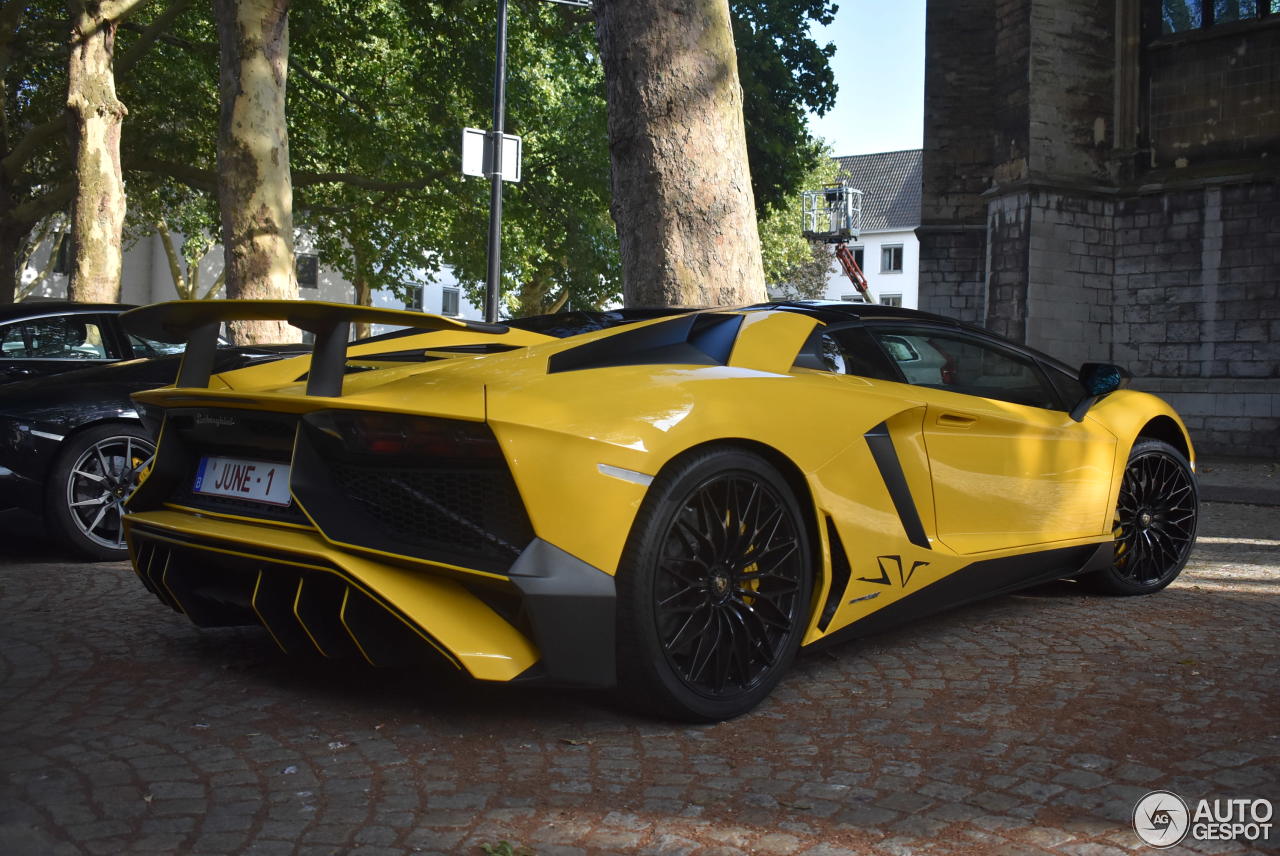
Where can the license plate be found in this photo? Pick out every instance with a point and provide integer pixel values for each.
(260, 481)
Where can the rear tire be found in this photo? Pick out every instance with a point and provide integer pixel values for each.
(1155, 522)
(714, 588)
(94, 474)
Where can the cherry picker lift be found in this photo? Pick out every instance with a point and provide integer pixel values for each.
(833, 215)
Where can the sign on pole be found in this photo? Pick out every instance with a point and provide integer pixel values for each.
(477, 154)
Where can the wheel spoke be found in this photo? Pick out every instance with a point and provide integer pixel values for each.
(740, 650)
(677, 595)
(699, 538)
(704, 652)
(760, 634)
(777, 554)
(102, 512)
(782, 588)
(102, 461)
(713, 522)
(691, 578)
(673, 643)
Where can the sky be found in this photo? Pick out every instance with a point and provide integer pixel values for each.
(879, 67)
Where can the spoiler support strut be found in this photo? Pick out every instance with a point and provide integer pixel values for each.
(196, 322)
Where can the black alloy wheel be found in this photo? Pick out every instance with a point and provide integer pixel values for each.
(1155, 521)
(714, 606)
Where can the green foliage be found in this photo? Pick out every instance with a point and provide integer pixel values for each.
(34, 43)
(792, 266)
(378, 93)
(784, 73)
(358, 109)
(557, 231)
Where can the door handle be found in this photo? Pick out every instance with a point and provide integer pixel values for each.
(955, 420)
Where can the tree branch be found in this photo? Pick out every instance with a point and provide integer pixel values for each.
(218, 281)
(148, 36)
(25, 289)
(169, 39)
(31, 212)
(206, 179)
(192, 176)
(364, 182)
(175, 270)
(315, 81)
(26, 147)
(42, 232)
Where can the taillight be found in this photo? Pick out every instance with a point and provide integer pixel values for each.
(389, 436)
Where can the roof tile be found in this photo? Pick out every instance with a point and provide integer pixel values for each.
(890, 183)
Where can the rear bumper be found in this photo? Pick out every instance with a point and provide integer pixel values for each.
(549, 619)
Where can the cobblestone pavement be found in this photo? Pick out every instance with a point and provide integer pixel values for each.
(1025, 725)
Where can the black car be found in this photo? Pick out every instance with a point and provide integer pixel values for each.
(71, 446)
(52, 336)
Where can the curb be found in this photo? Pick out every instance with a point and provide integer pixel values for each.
(1237, 494)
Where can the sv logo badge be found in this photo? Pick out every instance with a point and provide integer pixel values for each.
(895, 563)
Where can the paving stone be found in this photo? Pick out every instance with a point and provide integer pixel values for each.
(1024, 725)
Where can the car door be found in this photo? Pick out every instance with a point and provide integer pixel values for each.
(1009, 466)
(55, 343)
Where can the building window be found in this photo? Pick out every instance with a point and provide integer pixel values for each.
(891, 258)
(858, 256)
(412, 296)
(891, 300)
(1181, 16)
(449, 301)
(62, 263)
(307, 266)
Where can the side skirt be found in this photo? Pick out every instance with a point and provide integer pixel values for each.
(979, 581)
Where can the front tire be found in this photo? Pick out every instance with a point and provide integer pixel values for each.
(90, 481)
(714, 588)
(1155, 522)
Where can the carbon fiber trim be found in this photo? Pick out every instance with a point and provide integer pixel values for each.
(886, 458)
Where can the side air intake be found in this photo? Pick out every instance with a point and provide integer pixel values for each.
(704, 339)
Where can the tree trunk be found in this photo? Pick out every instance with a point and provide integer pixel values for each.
(364, 291)
(364, 297)
(94, 119)
(9, 241)
(255, 193)
(682, 197)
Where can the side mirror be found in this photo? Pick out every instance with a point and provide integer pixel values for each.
(1099, 380)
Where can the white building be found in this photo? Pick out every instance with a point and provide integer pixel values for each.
(146, 279)
(887, 249)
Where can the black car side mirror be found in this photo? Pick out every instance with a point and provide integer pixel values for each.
(1099, 380)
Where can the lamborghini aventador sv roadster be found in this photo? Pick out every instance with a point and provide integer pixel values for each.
(670, 503)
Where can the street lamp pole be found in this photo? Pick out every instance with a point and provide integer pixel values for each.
(493, 281)
(495, 193)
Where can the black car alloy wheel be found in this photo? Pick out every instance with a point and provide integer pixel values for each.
(1155, 521)
(717, 599)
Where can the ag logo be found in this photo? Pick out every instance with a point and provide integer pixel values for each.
(1161, 819)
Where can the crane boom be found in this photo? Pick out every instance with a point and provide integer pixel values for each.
(845, 256)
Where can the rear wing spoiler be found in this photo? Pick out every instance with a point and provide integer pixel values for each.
(196, 322)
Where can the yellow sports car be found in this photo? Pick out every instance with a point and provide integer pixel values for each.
(667, 502)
